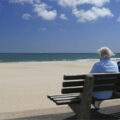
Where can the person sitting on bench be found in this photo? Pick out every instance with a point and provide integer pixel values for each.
(105, 65)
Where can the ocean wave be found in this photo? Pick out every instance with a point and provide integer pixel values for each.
(116, 59)
(86, 60)
(60, 60)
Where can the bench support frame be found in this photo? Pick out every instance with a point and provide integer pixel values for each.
(82, 109)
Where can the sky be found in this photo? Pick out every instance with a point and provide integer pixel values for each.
(52, 26)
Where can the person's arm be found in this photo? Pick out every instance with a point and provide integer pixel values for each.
(94, 69)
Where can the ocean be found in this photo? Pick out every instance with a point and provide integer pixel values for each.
(45, 57)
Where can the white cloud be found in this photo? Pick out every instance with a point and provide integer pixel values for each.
(67, 3)
(26, 16)
(118, 20)
(63, 17)
(91, 15)
(24, 1)
(41, 10)
(47, 13)
(75, 3)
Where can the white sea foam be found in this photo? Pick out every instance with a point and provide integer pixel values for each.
(116, 59)
(86, 60)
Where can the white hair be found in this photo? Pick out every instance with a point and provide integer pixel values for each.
(105, 52)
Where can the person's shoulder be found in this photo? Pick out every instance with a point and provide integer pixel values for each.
(113, 62)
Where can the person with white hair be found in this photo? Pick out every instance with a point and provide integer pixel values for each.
(105, 65)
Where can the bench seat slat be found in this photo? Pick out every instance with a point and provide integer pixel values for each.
(106, 88)
(74, 77)
(95, 89)
(64, 95)
(103, 88)
(97, 82)
(96, 75)
(106, 81)
(72, 90)
(106, 76)
(73, 83)
(67, 102)
(66, 98)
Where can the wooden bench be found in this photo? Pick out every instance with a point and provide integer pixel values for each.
(78, 89)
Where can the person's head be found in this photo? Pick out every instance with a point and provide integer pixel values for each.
(105, 52)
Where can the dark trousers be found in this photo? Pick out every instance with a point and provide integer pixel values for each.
(116, 94)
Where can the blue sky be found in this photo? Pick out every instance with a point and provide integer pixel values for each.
(59, 25)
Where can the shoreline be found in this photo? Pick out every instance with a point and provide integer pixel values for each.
(54, 61)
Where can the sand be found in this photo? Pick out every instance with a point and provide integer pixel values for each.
(25, 85)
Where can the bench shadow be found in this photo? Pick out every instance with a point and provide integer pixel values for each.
(108, 113)
(98, 116)
(71, 116)
(102, 116)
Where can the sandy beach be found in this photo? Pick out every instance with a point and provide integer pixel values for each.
(25, 85)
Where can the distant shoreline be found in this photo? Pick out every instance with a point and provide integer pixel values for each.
(81, 60)
(51, 57)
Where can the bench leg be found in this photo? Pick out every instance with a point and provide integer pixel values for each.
(82, 111)
(83, 108)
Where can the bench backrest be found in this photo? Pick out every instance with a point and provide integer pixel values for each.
(101, 82)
